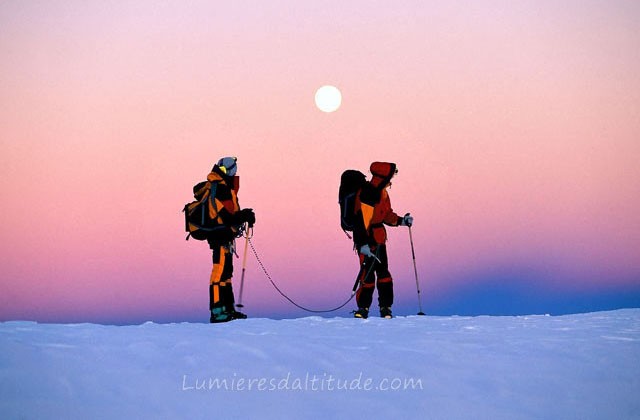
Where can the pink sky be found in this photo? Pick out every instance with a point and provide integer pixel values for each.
(515, 128)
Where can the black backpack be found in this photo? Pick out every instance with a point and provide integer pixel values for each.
(351, 181)
(198, 222)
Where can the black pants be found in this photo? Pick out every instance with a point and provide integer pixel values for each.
(220, 288)
(370, 271)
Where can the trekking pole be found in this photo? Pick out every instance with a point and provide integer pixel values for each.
(248, 234)
(415, 270)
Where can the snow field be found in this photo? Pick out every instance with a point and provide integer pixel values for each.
(584, 366)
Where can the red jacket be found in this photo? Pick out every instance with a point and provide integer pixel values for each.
(373, 207)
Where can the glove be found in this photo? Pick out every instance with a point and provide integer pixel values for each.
(407, 220)
(366, 251)
(248, 216)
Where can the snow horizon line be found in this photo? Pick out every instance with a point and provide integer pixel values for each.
(316, 317)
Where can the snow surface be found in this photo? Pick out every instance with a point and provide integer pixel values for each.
(584, 366)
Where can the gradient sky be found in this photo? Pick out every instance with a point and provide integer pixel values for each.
(515, 127)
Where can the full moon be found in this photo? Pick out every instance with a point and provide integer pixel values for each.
(328, 98)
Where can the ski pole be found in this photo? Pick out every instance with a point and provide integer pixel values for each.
(415, 270)
(247, 236)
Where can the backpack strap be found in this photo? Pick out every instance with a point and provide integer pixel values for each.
(211, 205)
(213, 189)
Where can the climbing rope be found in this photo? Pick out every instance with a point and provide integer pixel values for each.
(266, 273)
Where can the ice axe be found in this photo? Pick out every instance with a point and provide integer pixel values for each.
(364, 264)
(248, 234)
(415, 270)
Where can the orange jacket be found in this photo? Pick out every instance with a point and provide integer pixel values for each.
(224, 207)
(225, 199)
